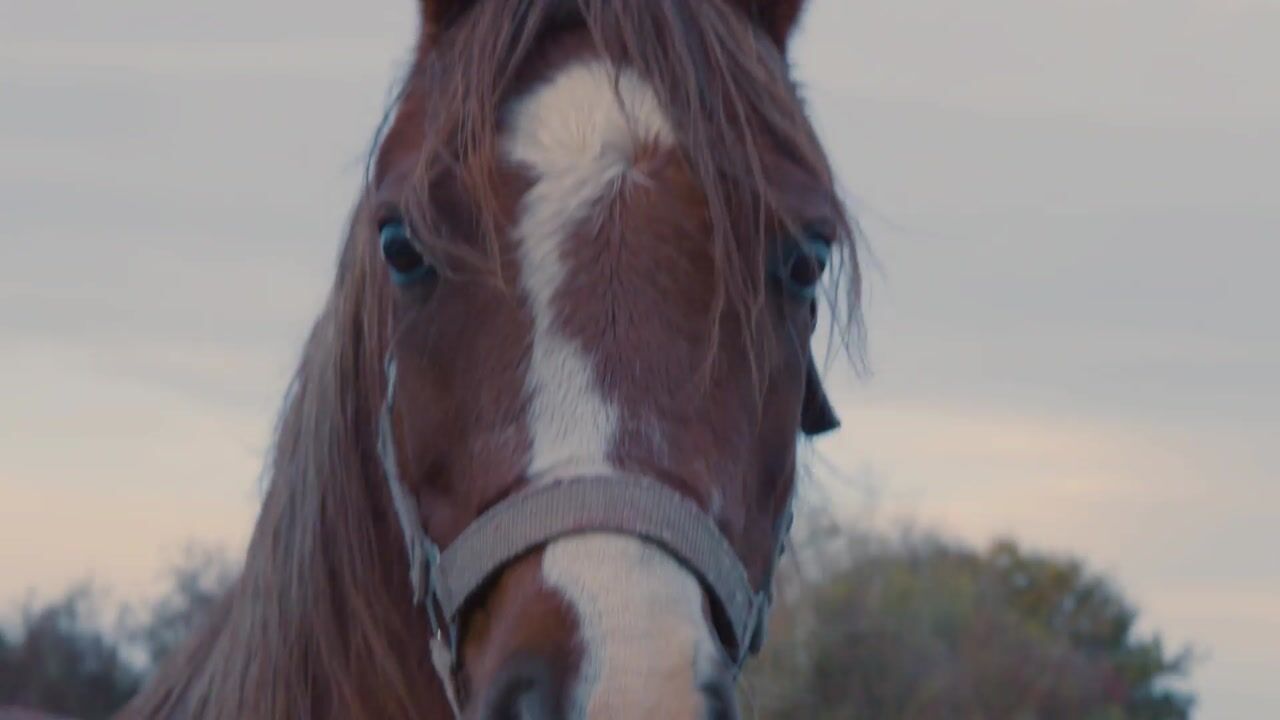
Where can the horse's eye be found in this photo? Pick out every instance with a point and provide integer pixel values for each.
(406, 264)
(803, 262)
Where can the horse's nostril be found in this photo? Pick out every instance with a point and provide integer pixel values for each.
(523, 690)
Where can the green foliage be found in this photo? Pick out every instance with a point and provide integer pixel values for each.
(922, 629)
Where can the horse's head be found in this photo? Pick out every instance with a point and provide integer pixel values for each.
(604, 225)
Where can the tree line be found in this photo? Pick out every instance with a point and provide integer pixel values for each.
(865, 626)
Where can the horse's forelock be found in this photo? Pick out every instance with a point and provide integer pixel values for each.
(722, 82)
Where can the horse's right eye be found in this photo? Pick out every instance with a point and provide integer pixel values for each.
(405, 262)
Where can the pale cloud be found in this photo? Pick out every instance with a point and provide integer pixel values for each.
(1154, 63)
(294, 58)
(109, 475)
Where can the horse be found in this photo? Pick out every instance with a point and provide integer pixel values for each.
(539, 454)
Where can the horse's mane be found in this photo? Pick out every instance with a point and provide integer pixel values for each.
(316, 624)
(320, 623)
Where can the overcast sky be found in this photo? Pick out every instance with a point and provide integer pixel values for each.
(1072, 203)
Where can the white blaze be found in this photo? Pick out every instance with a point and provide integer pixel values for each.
(646, 643)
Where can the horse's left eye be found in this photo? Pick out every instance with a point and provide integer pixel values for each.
(403, 259)
(803, 263)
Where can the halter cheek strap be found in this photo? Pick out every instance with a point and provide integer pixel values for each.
(424, 555)
(631, 505)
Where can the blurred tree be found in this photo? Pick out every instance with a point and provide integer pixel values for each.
(864, 628)
(921, 629)
(195, 584)
(63, 664)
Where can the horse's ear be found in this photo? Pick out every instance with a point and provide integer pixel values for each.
(776, 17)
(817, 417)
(440, 14)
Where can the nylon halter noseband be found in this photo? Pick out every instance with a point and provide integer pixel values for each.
(636, 506)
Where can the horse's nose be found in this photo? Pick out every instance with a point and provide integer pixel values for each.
(523, 690)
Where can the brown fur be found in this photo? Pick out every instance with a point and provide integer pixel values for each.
(321, 625)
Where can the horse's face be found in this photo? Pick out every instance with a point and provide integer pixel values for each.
(599, 332)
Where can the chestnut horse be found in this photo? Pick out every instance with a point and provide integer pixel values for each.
(575, 307)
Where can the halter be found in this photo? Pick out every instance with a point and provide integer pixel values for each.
(632, 505)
